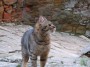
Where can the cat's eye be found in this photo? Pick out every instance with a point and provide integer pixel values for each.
(49, 24)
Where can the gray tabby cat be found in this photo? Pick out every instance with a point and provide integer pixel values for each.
(36, 42)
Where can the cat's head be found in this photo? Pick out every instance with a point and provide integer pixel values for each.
(44, 25)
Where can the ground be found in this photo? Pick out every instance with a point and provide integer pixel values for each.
(65, 49)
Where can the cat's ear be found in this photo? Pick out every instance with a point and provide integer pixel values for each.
(42, 19)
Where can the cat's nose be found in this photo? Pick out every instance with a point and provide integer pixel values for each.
(53, 27)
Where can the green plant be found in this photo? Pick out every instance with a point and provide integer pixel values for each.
(83, 62)
(18, 65)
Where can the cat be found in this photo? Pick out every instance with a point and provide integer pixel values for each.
(36, 42)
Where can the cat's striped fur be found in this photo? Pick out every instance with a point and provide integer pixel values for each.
(36, 42)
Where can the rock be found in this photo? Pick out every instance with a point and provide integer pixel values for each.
(9, 2)
(57, 2)
(82, 7)
(1, 12)
(46, 10)
(8, 9)
(86, 51)
(7, 17)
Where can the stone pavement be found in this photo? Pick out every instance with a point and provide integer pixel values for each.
(65, 49)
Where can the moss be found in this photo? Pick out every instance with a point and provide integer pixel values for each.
(18, 65)
(83, 62)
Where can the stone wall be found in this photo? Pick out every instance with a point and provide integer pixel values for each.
(10, 10)
(67, 15)
(39, 7)
(25, 10)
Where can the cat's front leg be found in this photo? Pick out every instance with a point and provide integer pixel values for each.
(43, 59)
(25, 60)
(33, 61)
